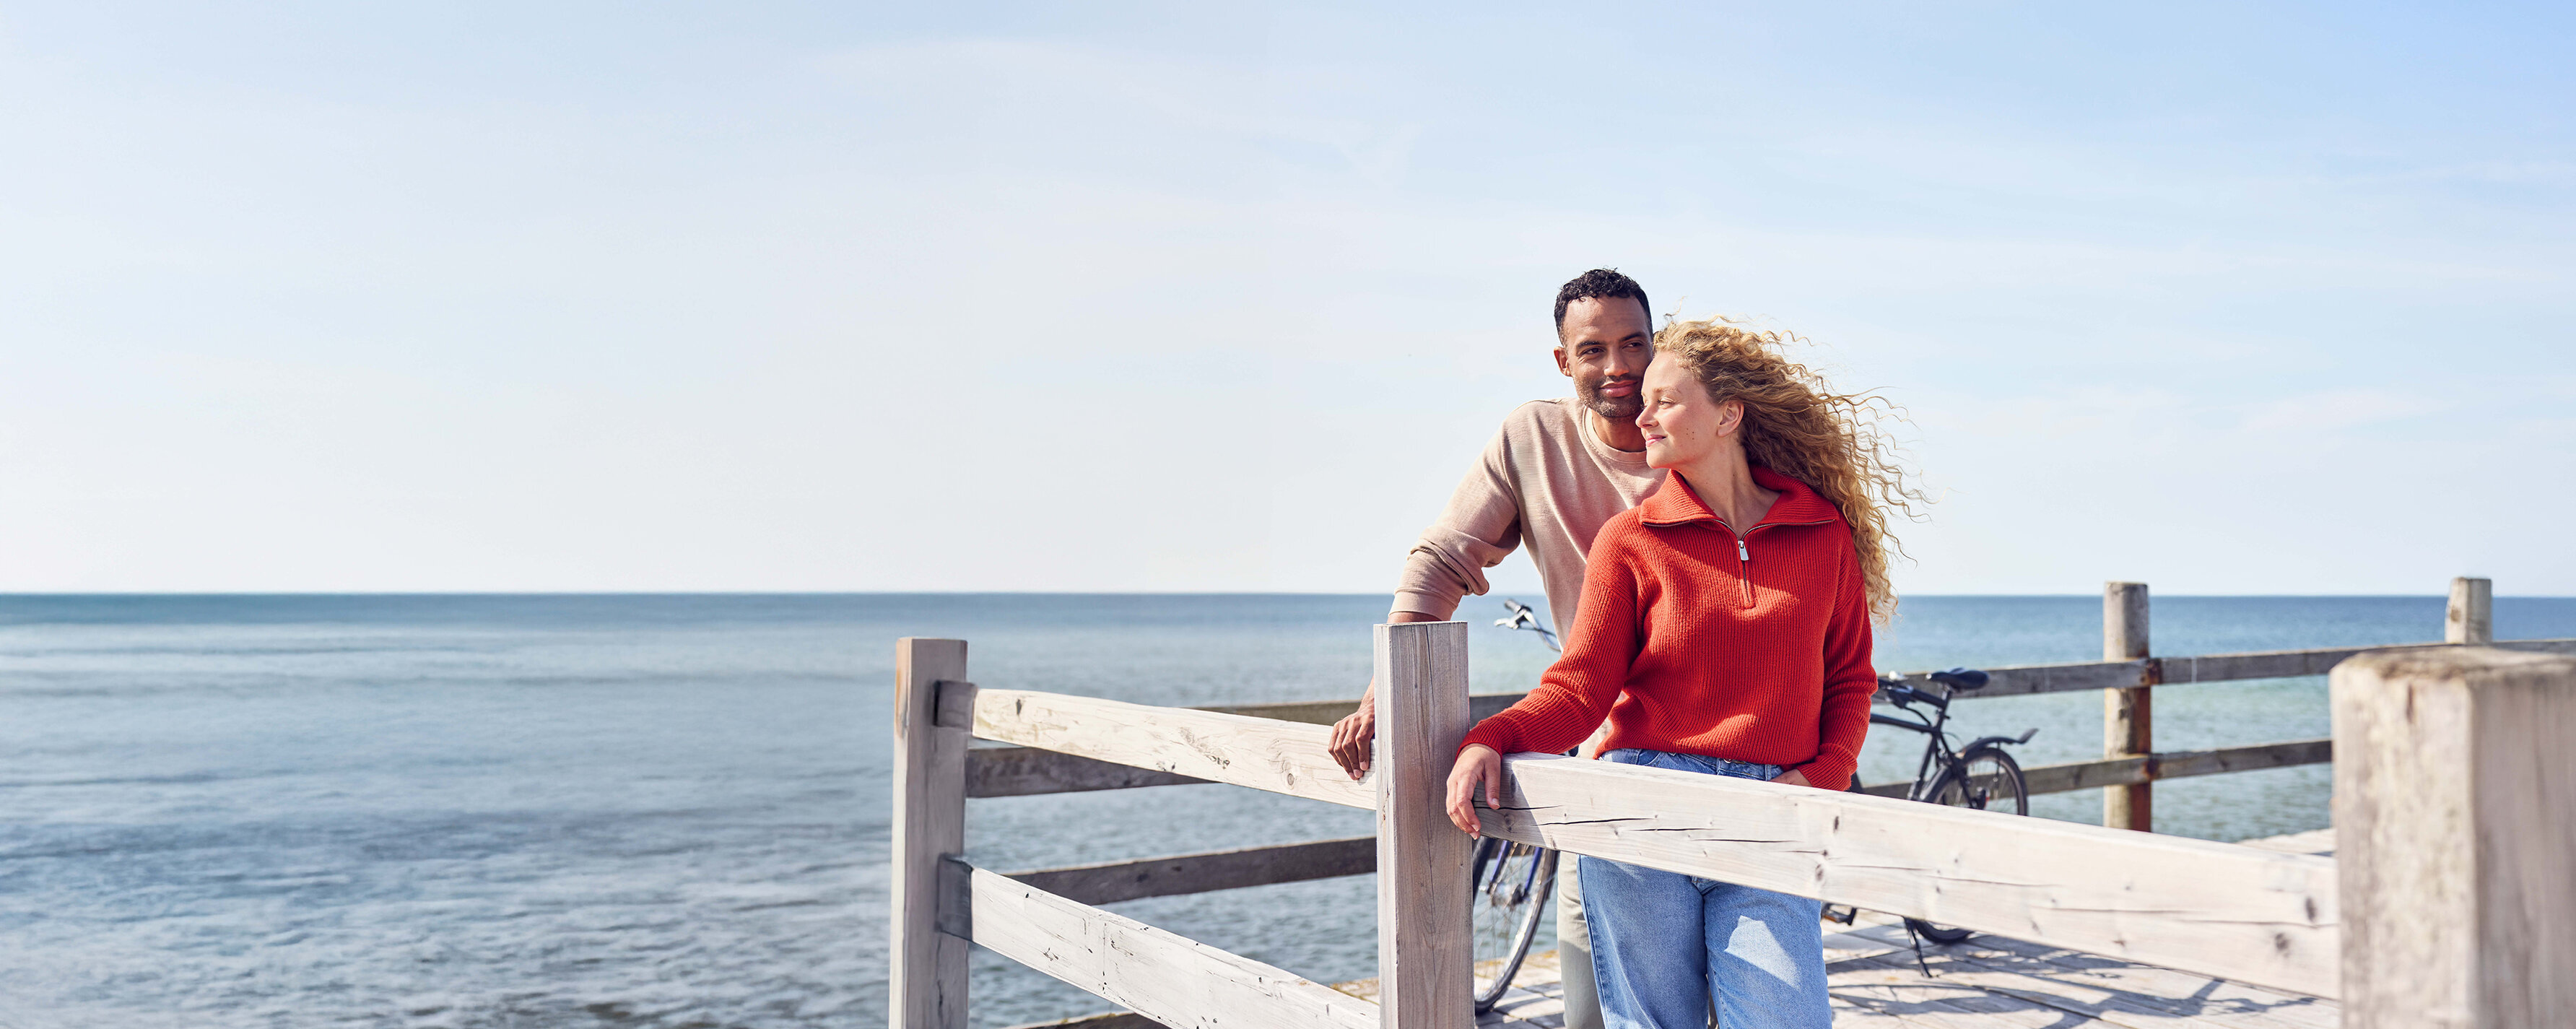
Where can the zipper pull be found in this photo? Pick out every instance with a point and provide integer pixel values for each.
(1742, 554)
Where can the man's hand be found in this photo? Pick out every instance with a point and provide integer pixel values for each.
(1793, 777)
(1479, 770)
(1353, 735)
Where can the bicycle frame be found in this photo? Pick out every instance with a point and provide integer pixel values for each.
(1495, 857)
(1938, 755)
(1936, 747)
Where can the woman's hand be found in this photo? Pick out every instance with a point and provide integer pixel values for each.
(1479, 769)
(1792, 777)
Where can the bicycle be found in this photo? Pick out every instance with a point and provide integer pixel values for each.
(1982, 775)
(1509, 883)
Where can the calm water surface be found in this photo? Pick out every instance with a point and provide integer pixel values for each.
(671, 810)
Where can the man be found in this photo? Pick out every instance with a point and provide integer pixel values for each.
(1555, 472)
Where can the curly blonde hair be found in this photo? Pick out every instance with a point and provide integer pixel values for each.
(1796, 425)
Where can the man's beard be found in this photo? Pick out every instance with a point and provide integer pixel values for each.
(1617, 409)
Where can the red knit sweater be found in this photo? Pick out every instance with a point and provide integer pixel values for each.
(1693, 639)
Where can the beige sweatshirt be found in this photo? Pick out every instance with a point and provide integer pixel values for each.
(1546, 479)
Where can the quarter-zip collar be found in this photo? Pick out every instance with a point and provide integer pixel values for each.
(1675, 503)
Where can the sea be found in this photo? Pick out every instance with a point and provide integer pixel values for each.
(671, 810)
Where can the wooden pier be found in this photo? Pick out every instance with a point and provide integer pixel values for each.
(2452, 903)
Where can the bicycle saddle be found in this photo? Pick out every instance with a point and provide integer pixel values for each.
(1960, 678)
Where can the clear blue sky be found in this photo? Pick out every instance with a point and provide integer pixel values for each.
(2227, 299)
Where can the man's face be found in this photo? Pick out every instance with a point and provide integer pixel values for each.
(1605, 346)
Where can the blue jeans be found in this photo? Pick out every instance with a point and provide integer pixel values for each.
(1663, 943)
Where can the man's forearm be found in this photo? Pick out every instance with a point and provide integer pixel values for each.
(1442, 570)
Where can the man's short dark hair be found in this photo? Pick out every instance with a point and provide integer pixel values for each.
(1601, 284)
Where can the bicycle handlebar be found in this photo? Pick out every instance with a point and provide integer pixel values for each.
(1523, 617)
(1901, 694)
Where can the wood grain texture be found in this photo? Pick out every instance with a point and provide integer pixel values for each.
(2215, 908)
(2274, 664)
(1029, 771)
(2189, 763)
(1115, 881)
(2470, 616)
(2452, 823)
(1162, 976)
(1262, 753)
(1327, 712)
(2085, 775)
(926, 968)
(2284, 664)
(2024, 680)
(954, 705)
(1423, 958)
(2181, 764)
(2128, 715)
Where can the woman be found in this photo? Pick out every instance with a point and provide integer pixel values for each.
(1724, 629)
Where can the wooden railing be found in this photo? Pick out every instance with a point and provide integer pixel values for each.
(2129, 759)
(2456, 920)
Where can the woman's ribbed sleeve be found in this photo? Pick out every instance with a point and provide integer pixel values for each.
(1850, 681)
(1575, 695)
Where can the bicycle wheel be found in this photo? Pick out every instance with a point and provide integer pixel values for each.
(1986, 779)
(1508, 894)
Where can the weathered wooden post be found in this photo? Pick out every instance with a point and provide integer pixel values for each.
(1424, 959)
(2128, 725)
(2455, 836)
(2471, 617)
(926, 980)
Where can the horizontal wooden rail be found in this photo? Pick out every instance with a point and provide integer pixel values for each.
(1111, 882)
(1018, 771)
(1156, 973)
(2023, 680)
(1024, 771)
(1031, 771)
(1480, 706)
(1206, 872)
(2219, 909)
(2187, 763)
(1262, 753)
(2283, 664)
(2180, 764)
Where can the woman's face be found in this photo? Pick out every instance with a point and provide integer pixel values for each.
(1681, 423)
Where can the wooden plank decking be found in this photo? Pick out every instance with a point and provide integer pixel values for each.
(1985, 982)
